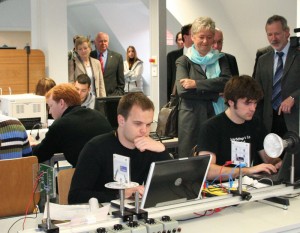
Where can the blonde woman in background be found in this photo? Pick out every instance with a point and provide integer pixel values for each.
(133, 69)
(84, 64)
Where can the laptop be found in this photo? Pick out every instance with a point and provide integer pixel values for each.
(173, 181)
(157, 137)
(283, 174)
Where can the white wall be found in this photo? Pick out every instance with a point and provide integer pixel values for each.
(126, 22)
(15, 15)
(49, 33)
(15, 38)
(242, 22)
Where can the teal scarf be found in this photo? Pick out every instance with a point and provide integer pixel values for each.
(212, 70)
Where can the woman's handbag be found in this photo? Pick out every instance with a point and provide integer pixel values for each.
(167, 123)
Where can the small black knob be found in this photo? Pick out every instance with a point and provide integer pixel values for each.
(133, 224)
(101, 230)
(118, 227)
(166, 218)
(150, 221)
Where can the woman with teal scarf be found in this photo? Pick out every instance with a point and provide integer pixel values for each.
(200, 78)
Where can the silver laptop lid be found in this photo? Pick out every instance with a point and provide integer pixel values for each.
(175, 181)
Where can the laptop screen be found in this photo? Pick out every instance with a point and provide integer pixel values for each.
(175, 181)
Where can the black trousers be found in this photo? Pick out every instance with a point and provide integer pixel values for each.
(278, 124)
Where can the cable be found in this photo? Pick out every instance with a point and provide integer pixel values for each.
(230, 179)
(268, 179)
(227, 163)
(292, 195)
(20, 220)
(206, 213)
(32, 197)
(37, 137)
(158, 136)
(24, 218)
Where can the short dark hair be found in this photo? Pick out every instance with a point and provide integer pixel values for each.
(177, 35)
(134, 98)
(185, 30)
(278, 18)
(83, 79)
(244, 86)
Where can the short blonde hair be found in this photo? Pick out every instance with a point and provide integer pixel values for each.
(201, 23)
(81, 40)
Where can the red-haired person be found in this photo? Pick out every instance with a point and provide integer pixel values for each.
(73, 125)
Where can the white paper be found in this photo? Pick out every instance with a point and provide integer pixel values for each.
(78, 214)
(240, 153)
(121, 166)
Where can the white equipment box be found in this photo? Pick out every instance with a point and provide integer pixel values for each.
(30, 109)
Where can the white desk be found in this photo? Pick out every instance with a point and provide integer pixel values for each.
(252, 217)
(246, 216)
(6, 223)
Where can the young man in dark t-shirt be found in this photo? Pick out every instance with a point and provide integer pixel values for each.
(131, 139)
(241, 95)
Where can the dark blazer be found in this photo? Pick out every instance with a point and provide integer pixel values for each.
(70, 133)
(259, 53)
(232, 64)
(290, 86)
(171, 69)
(195, 105)
(113, 73)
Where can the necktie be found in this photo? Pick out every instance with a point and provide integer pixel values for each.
(276, 95)
(101, 62)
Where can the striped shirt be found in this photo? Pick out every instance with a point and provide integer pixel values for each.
(13, 139)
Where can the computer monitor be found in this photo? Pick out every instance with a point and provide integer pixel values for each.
(108, 107)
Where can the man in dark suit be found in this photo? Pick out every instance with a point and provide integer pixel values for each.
(218, 45)
(259, 53)
(112, 64)
(173, 55)
(280, 106)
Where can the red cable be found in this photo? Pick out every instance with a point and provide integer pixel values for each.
(32, 197)
(213, 211)
(220, 175)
